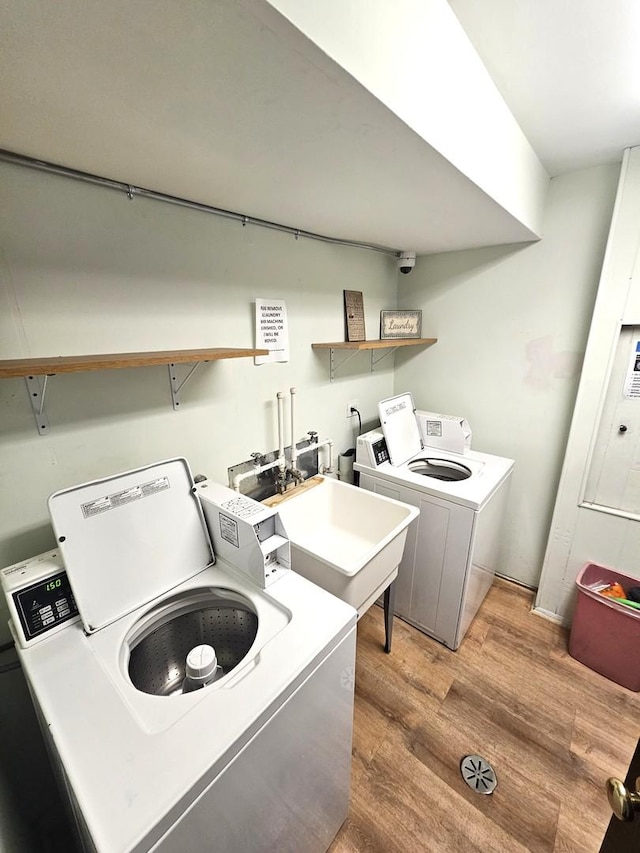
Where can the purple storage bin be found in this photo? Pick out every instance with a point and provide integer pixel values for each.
(605, 635)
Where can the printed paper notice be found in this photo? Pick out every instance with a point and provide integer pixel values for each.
(272, 330)
(632, 381)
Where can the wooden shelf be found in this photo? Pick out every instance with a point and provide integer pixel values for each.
(110, 361)
(388, 342)
(36, 371)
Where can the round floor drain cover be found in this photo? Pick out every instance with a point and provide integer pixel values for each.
(478, 774)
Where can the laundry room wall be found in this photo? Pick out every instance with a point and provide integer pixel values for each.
(85, 270)
(512, 325)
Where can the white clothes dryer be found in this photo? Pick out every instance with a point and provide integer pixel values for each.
(257, 760)
(451, 553)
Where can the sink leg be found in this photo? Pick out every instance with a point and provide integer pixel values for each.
(389, 599)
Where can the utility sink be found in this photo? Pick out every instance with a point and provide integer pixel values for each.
(347, 540)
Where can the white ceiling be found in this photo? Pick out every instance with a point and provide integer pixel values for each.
(569, 71)
(202, 100)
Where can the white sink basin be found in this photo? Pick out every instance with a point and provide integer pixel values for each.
(347, 540)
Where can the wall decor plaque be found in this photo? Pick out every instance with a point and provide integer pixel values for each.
(354, 315)
(400, 324)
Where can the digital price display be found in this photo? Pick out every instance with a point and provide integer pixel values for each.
(45, 605)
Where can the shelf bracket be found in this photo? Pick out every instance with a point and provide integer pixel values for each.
(375, 360)
(333, 366)
(176, 385)
(36, 398)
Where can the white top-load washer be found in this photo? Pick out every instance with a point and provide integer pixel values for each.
(450, 556)
(258, 759)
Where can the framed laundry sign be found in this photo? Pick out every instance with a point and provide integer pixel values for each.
(400, 324)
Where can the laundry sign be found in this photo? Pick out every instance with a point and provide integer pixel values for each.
(632, 380)
(272, 330)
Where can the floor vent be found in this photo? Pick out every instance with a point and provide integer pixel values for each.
(478, 774)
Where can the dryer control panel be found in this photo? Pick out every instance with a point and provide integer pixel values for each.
(39, 596)
(371, 449)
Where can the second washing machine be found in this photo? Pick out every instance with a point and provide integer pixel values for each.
(451, 554)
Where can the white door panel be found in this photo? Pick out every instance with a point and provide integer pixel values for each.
(614, 473)
(632, 307)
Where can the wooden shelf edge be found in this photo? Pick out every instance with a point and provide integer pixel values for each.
(377, 344)
(113, 361)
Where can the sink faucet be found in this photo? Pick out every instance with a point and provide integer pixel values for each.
(297, 475)
(281, 480)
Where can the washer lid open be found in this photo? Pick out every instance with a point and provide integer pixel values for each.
(400, 428)
(129, 538)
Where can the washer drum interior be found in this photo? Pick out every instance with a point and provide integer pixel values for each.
(160, 642)
(440, 469)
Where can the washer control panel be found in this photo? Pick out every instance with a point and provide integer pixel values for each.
(371, 449)
(39, 596)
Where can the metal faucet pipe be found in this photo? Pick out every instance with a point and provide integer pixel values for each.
(252, 472)
(294, 449)
(327, 442)
(281, 459)
(317, 445)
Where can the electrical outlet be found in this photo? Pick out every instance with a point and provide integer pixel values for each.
(355, 404)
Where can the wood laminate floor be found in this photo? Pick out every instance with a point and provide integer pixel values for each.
(553, 730)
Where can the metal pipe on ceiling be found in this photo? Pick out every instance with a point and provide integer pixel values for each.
(132, 191)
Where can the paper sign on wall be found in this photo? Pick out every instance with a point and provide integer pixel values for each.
(632, 380)
(272, 330)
